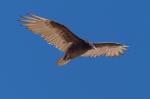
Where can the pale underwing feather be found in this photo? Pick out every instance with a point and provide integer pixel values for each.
(106, 49)
(53, 32)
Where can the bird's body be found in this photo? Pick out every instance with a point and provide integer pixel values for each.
(63, 39)
(74, 51)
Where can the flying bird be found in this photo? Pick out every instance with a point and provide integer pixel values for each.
(66, 41)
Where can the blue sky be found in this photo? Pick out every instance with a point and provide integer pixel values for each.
(27, 63)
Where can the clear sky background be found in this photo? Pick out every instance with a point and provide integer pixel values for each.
(27, 63)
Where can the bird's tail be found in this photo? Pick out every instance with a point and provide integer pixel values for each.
(62, 61)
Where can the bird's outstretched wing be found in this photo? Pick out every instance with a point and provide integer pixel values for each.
(53, 32)
(106, 49)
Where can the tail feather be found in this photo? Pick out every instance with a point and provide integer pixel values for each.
(62, 61)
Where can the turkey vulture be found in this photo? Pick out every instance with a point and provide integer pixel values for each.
(66, 41)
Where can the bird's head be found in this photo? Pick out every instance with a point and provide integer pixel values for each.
(92, 45)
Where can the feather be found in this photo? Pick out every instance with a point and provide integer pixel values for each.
(51, 31)
(62, 38)
(107, 49)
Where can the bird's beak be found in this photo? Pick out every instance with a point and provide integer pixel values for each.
(94, 47)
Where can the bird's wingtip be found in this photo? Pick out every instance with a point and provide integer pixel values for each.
(125, 46)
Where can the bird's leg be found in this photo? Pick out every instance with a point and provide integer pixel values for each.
(66, 57)
(64, 60)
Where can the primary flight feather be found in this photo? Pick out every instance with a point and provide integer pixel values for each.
(62, 38)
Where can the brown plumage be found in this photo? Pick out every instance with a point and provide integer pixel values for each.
(62, 38)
